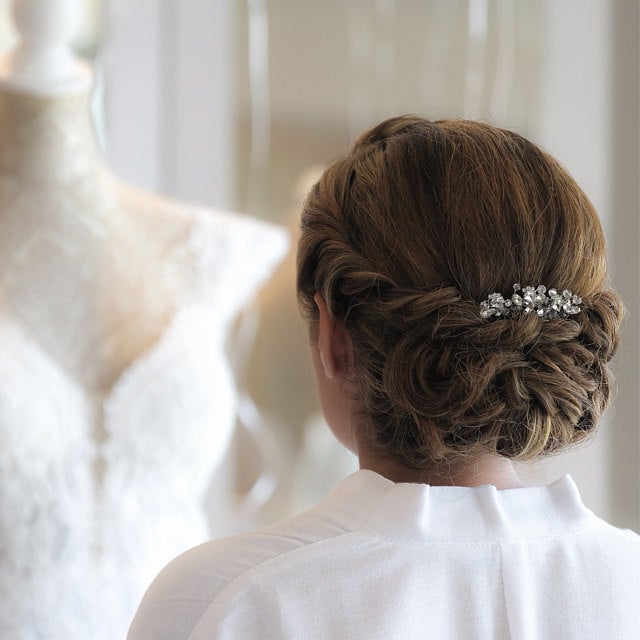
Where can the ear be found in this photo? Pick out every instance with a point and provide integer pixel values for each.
(334, 342)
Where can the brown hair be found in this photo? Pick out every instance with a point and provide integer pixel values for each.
(405, 235)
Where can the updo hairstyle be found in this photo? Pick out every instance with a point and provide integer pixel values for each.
(404, 236)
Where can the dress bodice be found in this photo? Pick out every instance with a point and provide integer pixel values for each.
(99, 487)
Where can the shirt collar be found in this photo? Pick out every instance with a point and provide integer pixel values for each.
(426, 513)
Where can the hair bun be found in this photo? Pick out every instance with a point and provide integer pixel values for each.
(524, 386)
(400, 238)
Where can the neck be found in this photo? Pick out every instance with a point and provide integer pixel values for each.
(46, 140)
(479, 470)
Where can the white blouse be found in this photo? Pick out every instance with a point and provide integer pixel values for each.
(378, 560)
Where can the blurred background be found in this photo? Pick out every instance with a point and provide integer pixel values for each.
(238, 104)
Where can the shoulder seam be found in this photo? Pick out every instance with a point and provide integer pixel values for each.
(225, 596)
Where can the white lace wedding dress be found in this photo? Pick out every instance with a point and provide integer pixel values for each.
(116, 399)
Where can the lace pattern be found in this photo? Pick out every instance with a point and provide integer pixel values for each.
(86, 522)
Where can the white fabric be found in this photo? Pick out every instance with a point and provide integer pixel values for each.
(85, 524)
(116, 396)
(378, 560)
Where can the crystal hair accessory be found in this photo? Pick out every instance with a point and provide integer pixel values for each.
(545, 303)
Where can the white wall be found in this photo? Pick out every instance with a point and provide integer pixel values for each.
(169, 97)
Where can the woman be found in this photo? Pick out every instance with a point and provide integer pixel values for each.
(454, 279)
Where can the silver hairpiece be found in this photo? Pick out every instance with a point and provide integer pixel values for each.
(546, 304)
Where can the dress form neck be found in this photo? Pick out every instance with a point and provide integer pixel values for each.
(46, 134)
(36, 132)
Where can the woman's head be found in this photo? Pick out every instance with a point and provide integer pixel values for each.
(405, 236)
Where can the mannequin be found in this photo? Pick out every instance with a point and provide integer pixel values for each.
(116, 399)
